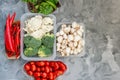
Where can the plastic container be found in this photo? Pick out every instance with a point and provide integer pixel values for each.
(23, 19)
(82, 53)
(28, 9)
(32, 78)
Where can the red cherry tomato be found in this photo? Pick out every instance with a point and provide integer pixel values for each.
(56, 66)
(32, 62)
(52, 64)
(62, 65)
(51, 69)
(43, 75)
(42, 69)
(33, 67)
(51, 76)
(40, 63)
(43, 79)
(46, 63)
(37, 78)
(27, 67)
(38, 69)
(47, 69)
(59, 72)
(30, 73)
(36, 74)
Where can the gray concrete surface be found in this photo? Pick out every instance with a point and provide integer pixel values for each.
(102, 22)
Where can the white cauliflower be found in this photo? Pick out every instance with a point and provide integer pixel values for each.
(47, 20)
(33, 24)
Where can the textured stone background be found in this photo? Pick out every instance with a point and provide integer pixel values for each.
(102, 22)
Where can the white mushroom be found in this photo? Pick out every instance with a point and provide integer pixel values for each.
(68, 50)
(58, 45)
(63, 26)
(60, 39)
(61, 32)
(70, 37)
(58, 34)
(75, 44)
(77, 38)
(62, 54)
(70, 44)
(71, 52)
(64, 36)
(79, 32)
(75, 51)
(67, 30)
(74, 24)
(72, 30)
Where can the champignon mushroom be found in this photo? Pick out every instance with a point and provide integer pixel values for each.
(60, 39)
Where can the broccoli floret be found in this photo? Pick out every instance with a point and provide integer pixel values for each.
(30, 41)
(44, 52)
(30, 51)
(48, 40)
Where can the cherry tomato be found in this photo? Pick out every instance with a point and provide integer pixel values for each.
(43, 79)
(51, 69)
(47, 69)
(33, 67)
(56, 66)
(36, 74)
(37, 78)
(62, 66)
(46, 63)
(59, 72)
(27, 67)
(42, 69)
(52, 64)
(51, 76)
(43, 75)
(40, 63)
(32, 62)
(30, 73)
(38, 69)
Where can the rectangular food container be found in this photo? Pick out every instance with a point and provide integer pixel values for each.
(81, 54)
(23, 19)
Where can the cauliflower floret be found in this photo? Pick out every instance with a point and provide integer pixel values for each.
(34, 23)
(47, 28)
(47, 20)
(38, 34)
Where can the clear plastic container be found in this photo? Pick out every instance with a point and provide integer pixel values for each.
(32, 78)
(82, 53)
(37, 58)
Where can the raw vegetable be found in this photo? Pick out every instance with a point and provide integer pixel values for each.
(32, 42)
(37, 26)
(30, 51)
(42, 6)
(40, 70)
(12, 37)
(44, 51)
(70, 39)
(45, 8)
(38, 39)
(48, 40)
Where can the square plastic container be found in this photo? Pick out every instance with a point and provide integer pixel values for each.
(82, 53)
(23, 19)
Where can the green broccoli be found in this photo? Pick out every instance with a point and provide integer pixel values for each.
(30, 51)
(30, 41)
(44, 52)
(48, 40)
